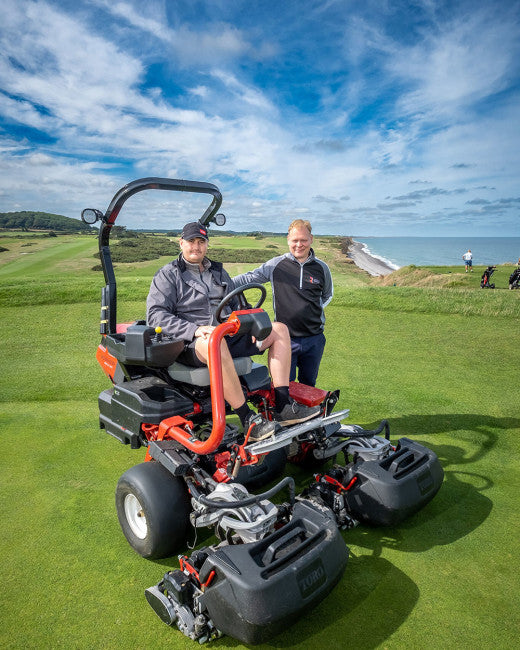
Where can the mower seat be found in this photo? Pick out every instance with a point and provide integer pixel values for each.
(200, 376)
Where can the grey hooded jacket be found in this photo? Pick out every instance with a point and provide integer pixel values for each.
(179, 303)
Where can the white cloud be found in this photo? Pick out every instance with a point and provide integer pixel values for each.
(467, 60)
(89, 98)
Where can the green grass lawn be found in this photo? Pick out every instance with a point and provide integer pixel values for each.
(440, 363)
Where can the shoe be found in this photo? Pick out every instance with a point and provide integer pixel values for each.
(262, 429)
(293, 413)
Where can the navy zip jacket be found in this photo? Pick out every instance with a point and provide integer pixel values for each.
(300, 291)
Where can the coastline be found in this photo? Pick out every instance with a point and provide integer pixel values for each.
(363, 260)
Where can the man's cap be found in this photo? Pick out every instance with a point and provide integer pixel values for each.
(193, 230)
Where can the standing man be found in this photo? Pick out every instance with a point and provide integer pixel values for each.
(468, 260)
(183, 299)
(302, 287)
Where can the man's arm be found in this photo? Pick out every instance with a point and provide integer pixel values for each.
(261, 274)
(328, 285)
(161, 308)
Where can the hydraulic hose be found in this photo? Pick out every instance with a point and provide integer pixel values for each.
(255, 498)
(365, 433)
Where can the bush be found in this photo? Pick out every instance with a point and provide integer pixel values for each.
(248, 255)
(144, 248)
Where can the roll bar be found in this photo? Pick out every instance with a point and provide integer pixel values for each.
(109, 291)
(154, 183)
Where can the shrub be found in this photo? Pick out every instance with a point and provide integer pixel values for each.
(144, 248)
(248, 255)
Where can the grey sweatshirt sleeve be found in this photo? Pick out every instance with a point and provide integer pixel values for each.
(161, 311)
(261, 274)
(328, 289)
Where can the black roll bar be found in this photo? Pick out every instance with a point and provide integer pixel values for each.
(109, 292)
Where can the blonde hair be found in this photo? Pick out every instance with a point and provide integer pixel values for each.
(300, 223)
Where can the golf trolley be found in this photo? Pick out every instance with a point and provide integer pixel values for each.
(272, 559)
(514, 279)
(484, 280)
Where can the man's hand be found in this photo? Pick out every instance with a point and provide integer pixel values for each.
(204, 331)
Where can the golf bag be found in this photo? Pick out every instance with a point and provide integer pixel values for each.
(484, 281)
(514, 279)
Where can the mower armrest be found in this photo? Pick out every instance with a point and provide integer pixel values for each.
(140, 345)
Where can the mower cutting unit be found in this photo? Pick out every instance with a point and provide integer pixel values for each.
(270, 561)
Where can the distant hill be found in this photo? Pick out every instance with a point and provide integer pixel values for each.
(41, 221)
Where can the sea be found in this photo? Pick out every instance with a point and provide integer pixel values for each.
(441, 251)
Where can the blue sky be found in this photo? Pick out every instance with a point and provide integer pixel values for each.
(382, 118)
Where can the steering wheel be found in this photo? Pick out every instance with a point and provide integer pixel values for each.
(239, 291)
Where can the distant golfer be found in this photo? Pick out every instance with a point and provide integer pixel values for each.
(468, 260)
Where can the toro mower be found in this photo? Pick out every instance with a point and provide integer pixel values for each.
(271, 558)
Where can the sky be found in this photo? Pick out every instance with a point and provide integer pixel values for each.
(375, 118)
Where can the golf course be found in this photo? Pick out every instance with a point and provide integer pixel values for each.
(425, 348)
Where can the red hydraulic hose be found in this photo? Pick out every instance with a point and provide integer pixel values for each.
(170, 425)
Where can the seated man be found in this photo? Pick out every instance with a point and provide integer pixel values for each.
(182, 300)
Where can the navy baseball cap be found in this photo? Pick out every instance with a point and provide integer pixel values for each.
(193, 230)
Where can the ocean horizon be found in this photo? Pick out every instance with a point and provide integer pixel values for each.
(441, 251)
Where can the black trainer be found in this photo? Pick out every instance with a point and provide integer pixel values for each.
(262, 429)
(293, 413)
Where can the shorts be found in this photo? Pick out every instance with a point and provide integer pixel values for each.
(468, 262)
(239, 346)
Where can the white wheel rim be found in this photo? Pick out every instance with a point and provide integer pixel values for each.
(135, 516)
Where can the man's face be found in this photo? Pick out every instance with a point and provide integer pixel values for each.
(300, 242)
(194, 250)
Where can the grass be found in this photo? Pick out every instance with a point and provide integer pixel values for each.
(439, 362)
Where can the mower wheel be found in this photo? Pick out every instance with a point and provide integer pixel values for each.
(153, 509)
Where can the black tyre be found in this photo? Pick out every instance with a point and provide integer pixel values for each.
(255, 476)
(153, 509)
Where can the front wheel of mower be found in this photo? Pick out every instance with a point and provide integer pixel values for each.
(153, 509)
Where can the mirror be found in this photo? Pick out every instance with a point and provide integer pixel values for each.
(220, 219)
(90, 216)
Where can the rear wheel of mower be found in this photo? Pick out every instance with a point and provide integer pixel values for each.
(153, 509)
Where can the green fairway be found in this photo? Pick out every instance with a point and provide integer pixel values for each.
(439, 362)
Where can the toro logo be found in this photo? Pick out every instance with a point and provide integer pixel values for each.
(311, 577)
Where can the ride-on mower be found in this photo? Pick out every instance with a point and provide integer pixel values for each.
(269, 562)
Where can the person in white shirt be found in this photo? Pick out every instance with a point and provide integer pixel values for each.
(468, 260)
